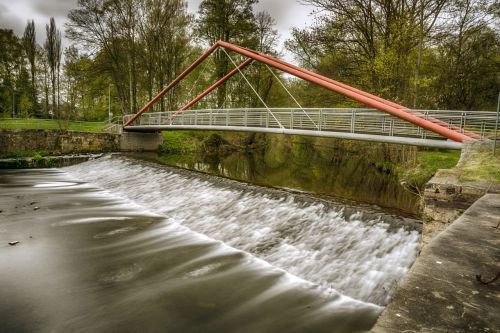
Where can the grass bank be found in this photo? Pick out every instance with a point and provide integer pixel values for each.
(51, 124)
(479, 167)
(427, 163)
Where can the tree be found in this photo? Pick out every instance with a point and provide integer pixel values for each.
(468, 58)
(228, 20)
(11, 66)
(141, 44)
(372, 44)
(163, 32)
(30, 48)
(53, 52)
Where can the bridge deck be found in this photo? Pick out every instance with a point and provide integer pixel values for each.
(358, 124)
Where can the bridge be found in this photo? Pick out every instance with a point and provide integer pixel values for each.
(382, 121)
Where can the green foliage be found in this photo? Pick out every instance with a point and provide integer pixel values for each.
(21, 154)
(138, 45)
(403, 51)
(37, 157)
(180, 142)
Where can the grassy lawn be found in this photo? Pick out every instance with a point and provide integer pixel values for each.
(82, 126)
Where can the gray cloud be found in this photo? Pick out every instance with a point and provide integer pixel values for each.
(55, 8)
(9, 20)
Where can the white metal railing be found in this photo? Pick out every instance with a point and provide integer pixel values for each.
(360, 121)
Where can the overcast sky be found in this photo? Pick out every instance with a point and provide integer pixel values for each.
(15, 13)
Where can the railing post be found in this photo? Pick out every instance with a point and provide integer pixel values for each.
(424, 132)
(245, 118)
(392, 128)
(210, 118)
(196, 117)
(353, 120)
(320, 122)
(227, 117)
(291, 118)
(267, 119)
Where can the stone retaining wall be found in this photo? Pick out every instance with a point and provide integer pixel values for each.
(56, 142)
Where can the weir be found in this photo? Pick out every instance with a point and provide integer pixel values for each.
(170, 248)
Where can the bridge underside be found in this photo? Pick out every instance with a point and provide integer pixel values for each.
(441, 144)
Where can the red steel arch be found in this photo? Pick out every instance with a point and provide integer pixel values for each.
(451, 132)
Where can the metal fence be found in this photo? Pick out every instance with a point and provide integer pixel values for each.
(360, 121)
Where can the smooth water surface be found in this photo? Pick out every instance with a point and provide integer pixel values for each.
(142, 247)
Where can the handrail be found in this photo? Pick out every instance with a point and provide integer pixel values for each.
(365, 121)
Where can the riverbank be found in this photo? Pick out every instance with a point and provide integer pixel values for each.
(441, 291)
(452, 191)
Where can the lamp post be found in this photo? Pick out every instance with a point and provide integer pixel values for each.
(110, 114)
(13, 102)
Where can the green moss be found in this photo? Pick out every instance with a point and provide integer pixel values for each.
(176, 142)
(21, 154)
(37, 157)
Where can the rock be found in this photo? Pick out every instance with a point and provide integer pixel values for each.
(13, 243)
(36, 208)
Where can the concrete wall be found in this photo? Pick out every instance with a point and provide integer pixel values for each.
(446, 198)
(135, 141)
(70, 142)
(56, 142)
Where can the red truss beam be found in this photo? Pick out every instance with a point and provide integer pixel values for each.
(343, 89)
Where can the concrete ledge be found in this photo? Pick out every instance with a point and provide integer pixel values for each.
(440, 293)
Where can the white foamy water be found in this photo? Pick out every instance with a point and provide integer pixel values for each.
(358, 257)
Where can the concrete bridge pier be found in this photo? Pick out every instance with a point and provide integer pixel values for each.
(137, 141)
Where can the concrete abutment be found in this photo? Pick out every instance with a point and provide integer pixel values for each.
(137, 141)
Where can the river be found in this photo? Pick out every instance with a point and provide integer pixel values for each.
(123, 245)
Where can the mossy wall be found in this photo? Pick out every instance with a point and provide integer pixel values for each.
(358, 170)
(14, 142)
